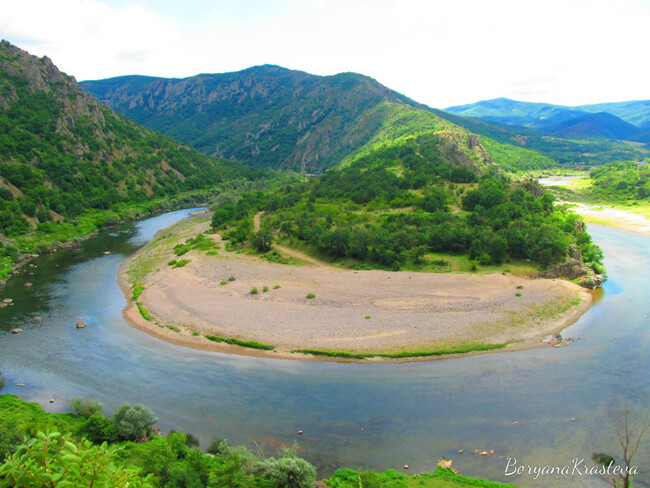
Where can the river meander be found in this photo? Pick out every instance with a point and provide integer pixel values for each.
(358, 415)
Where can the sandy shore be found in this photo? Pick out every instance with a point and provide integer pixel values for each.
(613, 217)
(360, 311)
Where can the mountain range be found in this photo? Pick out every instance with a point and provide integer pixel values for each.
(622, 120)
(285, 119)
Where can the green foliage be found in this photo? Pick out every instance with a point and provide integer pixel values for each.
(262, 240)
(171, 461)
(621, 181)
(289, 471)
(360, 220)
(253, 291)
(85, 408)
(2, 382)
(443, 351)
(138, 288)
(98, 429)
(75, 166)
(240, 342)
(143, 311)
(134, 422)
(54, 460)
(231, 278)
(180, 263)
(310, 296)
(265, 289)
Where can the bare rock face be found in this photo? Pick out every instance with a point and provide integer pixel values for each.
(571, 269)
(593, 281)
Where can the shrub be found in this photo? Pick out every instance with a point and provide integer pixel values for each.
(64, 462)
(85, 409)
(172, 262)
(223, 283)
(310, 296)
(288, 471)
(181, 263)
(517, 294)
(98, 429)
(217, 446)
(254, 291)
(265, 289)
(134, 422)
(232, 278)
(276, 287)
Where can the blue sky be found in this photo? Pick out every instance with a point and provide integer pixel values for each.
(440, 53)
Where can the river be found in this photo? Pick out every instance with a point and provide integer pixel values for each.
(358, 415)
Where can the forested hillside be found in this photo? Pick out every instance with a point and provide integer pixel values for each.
(62, 154)
(410, 205)
(279, 118)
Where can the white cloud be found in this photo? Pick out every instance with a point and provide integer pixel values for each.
(437, 52)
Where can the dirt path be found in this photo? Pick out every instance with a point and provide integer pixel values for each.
(299, 255)
(257, 220)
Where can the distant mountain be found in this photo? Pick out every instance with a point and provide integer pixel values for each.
(582, 151)
(601, 124)
(62, 153)
(622, 121)
(635, 112)
(279, 118)
(513, 112)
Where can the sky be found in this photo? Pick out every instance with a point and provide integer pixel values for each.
(440, 53)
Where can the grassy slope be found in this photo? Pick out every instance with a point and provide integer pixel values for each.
(400, 122)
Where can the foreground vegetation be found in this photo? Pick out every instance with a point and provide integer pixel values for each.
(85, 448)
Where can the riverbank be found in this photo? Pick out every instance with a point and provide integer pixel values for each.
(351, 312)
(612, 216)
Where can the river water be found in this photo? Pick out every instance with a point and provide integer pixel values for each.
(358, 415)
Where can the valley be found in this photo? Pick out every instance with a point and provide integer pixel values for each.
(343, 226)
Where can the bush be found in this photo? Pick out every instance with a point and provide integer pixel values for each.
(223, 283)
(232, 278)
(254, 291)
(217, 446)
(134, 422)
(98, 429)
(276, 287)
(288, 472)
(265, 289)
(262, 240)
(85, 409)
(310, 296)
(65, 462)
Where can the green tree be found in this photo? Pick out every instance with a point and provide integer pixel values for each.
(262, 240)
(289, 471)
(134, 422)
(85, 409)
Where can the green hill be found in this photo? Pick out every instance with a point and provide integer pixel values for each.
(62, 153)
(279, 118)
